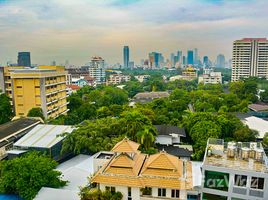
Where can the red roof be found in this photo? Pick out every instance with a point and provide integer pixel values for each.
(251, 39)
(73, 87)
(89, 78)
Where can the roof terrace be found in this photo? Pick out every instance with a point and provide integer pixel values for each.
(244, 156)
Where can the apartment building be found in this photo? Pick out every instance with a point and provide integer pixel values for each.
(117, 79)
(234, 171)
(139, 176)
(44, 87)
(250, 58)
(211, 78)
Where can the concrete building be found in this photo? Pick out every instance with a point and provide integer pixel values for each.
(211, 78)
(144, 177)
(142, 78)
(190, 57)
(126, 56)
(144, 97)
(44, 87)
(220, 62)
(24, 59)
(234, 171)
(250, 58)
(115, 79)
(97, 70)
(189, 74)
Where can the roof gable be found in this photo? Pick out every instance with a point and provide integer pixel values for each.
(126, 146)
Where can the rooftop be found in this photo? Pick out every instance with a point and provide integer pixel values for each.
(258, 107)
(246, 156)
(13, 127)
(169, 129)
(175, 150)
(151, 95)
(43, 136)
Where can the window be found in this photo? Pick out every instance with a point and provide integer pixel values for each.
(19, 86)
(240, 180)
(207, 196)
(20, 104)
(111, 189)
(257, 183)
(216, 180)
(161, 192)
(37, 86)
(175, 193)
(129, 193)
(146, 191)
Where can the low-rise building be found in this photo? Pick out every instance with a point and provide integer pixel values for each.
(115, 79)
(211, 78)
(142, 78)
(44, 138)
(234, 170)
(140, 176)
(144, 97)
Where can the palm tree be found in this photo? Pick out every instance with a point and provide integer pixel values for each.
(146, 137)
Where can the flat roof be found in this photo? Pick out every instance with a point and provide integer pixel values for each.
(12, 127)
(169, 129)
(43, 136)
(258, 107)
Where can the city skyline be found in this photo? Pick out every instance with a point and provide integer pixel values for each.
(77, 30)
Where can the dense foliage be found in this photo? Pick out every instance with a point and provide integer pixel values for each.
(95, 194)
(26, 175)
(5, 109)
(36, 112)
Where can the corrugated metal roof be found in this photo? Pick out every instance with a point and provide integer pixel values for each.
(44, 136)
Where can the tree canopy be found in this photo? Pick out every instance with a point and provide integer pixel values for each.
(5, 109)
(36, 112)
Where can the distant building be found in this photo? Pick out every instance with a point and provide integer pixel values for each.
(220, 63)
(43, 87)
(142, 177)
(184, 60)
(195, 56)
(234, 170)
(144, 97)
(131, 64)
(211, 78)
(205, 61)
(154, 59)
(250, 58)
(24, 59)
(115, 79)
(126, 56)
(190, 57)
(97, 70)
(142, 78)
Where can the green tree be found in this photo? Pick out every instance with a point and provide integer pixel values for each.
(5, 109)
(265, 140)
(96, 194)
(146, 137)
(264, 96)
(74, 102)
(36, 112)
(26, 175)
(245, 134)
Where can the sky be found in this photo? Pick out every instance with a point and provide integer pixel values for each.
(76, 30)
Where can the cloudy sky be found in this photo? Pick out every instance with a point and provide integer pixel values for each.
(75, 30)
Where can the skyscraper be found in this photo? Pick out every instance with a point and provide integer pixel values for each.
(250, 58)
(190, 57)
(24, 59)
(126, 56)
(172, 59)
(179, 55)
(220, 61)
(97, 70)
(195, 56)
(205, 61)
(183, 60)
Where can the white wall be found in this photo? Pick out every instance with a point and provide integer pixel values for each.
(164, 139)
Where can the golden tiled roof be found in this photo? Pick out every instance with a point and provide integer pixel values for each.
(126, 146)
(140, 170)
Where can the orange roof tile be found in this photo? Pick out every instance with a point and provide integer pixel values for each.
(126, 146)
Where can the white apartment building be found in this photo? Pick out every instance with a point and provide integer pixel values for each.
(97, 70)
(211, 78)
(115, 79)
(234, 171)
(250, 58)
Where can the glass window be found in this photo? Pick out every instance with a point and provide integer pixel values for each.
(146, 191)
(129, 191)
(240, 180)
(175, 193)
(257, 183)
(207, 196)
(216, 180)
(161, 192)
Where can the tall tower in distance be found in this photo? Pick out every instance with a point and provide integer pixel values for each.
(126, 56)
(190, 57)
(24, 59)
(220, 61)
(250, 58)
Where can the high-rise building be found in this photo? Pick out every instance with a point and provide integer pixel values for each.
(183, 60)
(190, 57)
(179, 54)
(172, 59)
(195, 56)
(24, 59)
(205, 61)
(43, 87)
(220, 61)
(154, 59)
(126, 56)
(97, 70)
(250, 58)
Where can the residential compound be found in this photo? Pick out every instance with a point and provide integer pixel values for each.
(140, 176)
(234, 171)
(97, 70)
(210, 78)
(250, 58)
(44, 87)
(117, 79)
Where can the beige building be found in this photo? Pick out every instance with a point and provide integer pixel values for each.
(115, 79)
(139, 176)
(44, 87)
(211, 78)
(250, 58)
